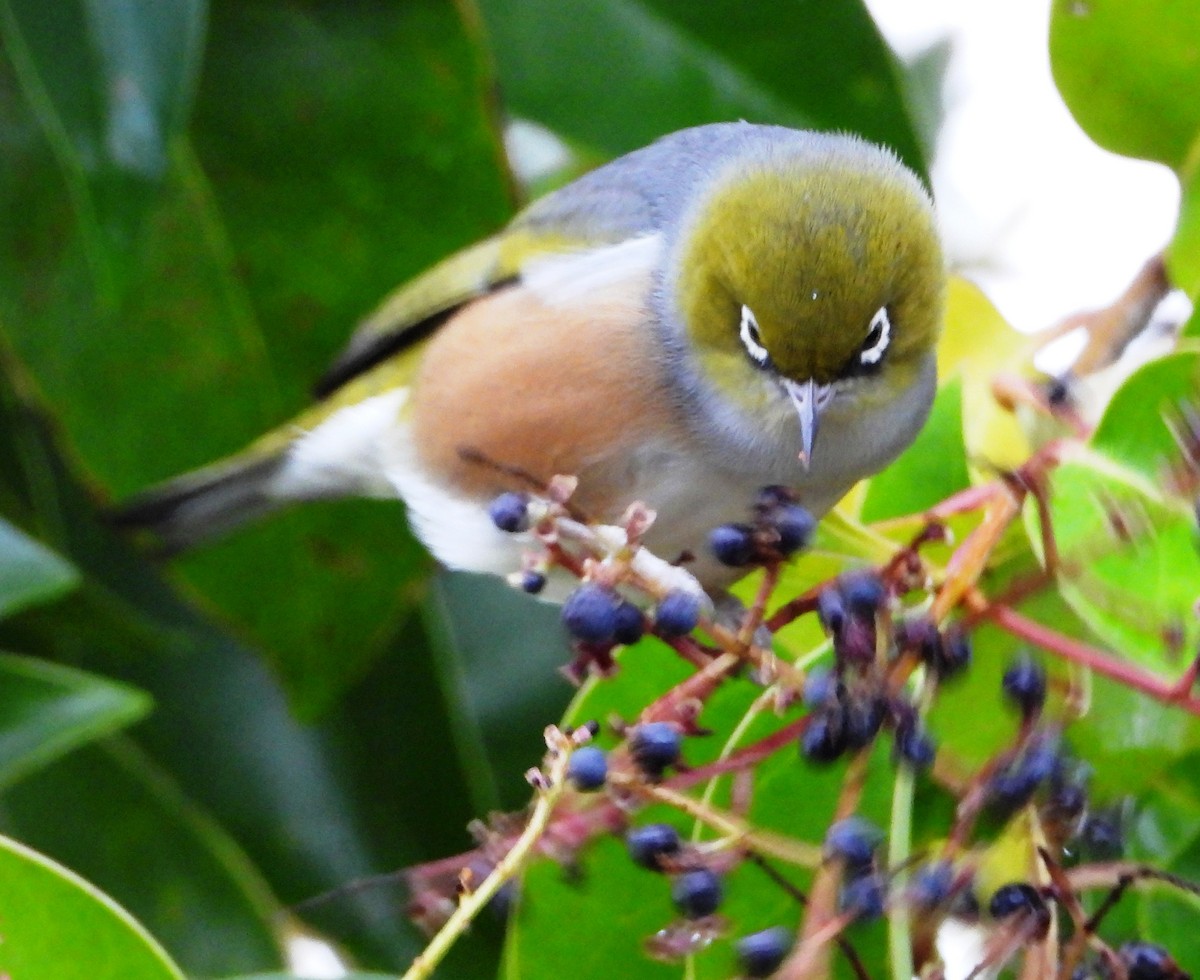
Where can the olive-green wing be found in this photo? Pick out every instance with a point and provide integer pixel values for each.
(609, 205)
(416, 309)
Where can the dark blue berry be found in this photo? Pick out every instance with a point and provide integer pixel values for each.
(654, 746)
(588, 768)
(1013, 785)
(631, 623)
(794, 527)
(1102, 836)
(762, 953)
(930, 884)
(855, 642)
(732, 544)
(823, 739)
(590, 613)
(853, 840)
(510, 512)
(831, 609)
(648, 845)
(862, 717)
(696, 893)
(865, 896)
(920, 635)
(532, 582)
(1146, 961)
(820, 687)
(678, 613)
(1025, 685)
(863, 592)
(504, 902)
(1018, 898)
(1067, 802)
(773, 497)
(954, 653)
(914, 747)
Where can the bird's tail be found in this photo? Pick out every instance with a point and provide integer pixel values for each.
(205, 503)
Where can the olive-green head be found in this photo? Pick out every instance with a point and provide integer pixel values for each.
(811, 268)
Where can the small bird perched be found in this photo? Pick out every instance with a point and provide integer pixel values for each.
(730, 307)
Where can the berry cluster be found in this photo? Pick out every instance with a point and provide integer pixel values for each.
(854, 700)
(890, 657)
(780, 527)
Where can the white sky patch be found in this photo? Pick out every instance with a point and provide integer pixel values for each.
(1046, 222)
(1061, 352)
(312, 959)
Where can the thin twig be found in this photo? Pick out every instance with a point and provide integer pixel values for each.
(473, 903)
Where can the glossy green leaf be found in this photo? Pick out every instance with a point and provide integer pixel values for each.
(1126, 534)
(931, 469)
(153, 851)
(29, 572)
(1134, 592)
(1183, 254)
(807, 65)
(354, 975)
(47, 710)
(334, 151)
(57, 925)
(112, 82)
(317, 808)
(1138, 428)
(1130, 74)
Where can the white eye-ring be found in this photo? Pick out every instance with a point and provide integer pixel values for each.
(878, 338)
(752, 339)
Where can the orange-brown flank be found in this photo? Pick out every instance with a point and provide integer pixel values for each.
(570, 388)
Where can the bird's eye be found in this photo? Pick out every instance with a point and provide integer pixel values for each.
(752, 338)
(878, 338)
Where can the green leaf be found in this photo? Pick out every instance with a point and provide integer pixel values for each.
(1131, 591)
(291, 976)
(29, 572)
(1130, 74)
(932, 468)
(48, 710)
(1135, 428)
(111, 82)
(1126, 534)
(57, 925)
(317, 807)
(152, 851)
(335, 150)
(808, 65)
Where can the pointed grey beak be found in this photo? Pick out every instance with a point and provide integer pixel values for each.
(810, 400)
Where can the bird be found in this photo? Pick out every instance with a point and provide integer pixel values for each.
(732, 306)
